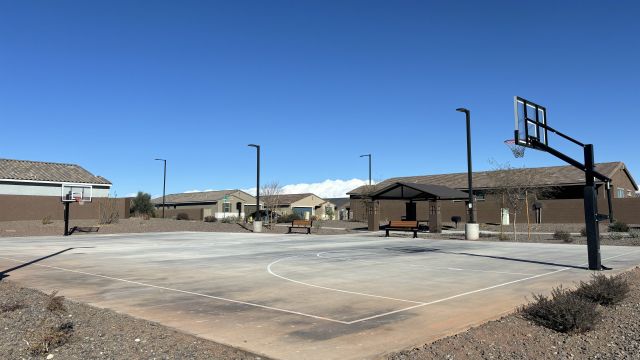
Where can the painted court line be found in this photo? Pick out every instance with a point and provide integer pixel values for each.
(418, 304)
(328, 288)
(479, 290)
(180, 291)
(426, 267)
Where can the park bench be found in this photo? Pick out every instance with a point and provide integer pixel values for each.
(402, 225)
(301, 224)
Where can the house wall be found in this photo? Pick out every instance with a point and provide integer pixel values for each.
(556, 211)
(200, 211)
(621, 180)
(24, 207)
(44, 189)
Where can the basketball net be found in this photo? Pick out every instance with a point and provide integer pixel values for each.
(517, 150)
(79, 200)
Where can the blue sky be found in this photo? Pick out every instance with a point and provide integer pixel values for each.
(111, 85)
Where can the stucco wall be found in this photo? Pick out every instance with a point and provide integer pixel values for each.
(21, 207)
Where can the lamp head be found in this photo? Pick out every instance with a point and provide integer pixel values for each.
(254, 145)
(462, 110)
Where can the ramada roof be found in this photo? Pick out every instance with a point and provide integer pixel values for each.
(38, 171)
(195, 197)
(542, 176)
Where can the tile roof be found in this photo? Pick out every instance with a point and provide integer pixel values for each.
(543, 176)
(202, 196)
(339, 202)
(47, 171)
(287, 199)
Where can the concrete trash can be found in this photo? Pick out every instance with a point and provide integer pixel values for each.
(471, 231)
(257, 226)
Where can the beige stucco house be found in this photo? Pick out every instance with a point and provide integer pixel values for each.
(218, 203)
(305, 205)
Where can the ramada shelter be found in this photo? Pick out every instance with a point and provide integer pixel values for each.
(32, 190)
(198, 205)
(561, 202)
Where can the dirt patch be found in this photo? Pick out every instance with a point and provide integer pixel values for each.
(79, 331)
(616, 336)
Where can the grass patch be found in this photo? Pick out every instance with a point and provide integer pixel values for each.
(618, 226)
(50, 338)
(562, 235)
(55, 303)
(5, 308)
(564, 311)
(604, 290)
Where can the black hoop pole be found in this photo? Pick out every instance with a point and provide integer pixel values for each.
(591, 211)
(66, 218)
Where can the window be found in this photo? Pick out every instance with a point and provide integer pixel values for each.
(226, 207)
(620, 193)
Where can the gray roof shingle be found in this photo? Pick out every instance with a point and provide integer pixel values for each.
(202, 196)
(287, 199)
(47, 171)
(543, 176)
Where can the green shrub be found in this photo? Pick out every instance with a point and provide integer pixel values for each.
(615, 236)
(562, 235)
(47, 220)
(229, 220)
(583, 232)
(635, 234)
(141, 204)
(618, 226)
(288, 218)
(563, 311)
(210, 218)
(182, 216)
(604, 290)
(502, 236)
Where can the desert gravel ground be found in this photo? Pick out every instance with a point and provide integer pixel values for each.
(617, 336)
(139, 225)
(86, 332)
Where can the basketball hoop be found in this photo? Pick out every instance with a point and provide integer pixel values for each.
(79, 200)
(516, 149)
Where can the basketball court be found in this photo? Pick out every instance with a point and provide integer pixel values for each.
(301, 296)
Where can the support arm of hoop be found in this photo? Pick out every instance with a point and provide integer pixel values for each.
(540, 146)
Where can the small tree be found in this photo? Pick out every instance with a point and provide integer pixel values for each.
(328, 210)
(271, 199)
(141, 204)
(515, 187)
(108, 210)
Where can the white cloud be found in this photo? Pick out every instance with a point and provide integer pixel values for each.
(325, 189)
(195, 191)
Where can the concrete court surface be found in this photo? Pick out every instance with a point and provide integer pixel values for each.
(301, 296)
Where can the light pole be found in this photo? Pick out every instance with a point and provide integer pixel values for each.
(472, 230)
(258, 217)
(164, 184)
(369, 156)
